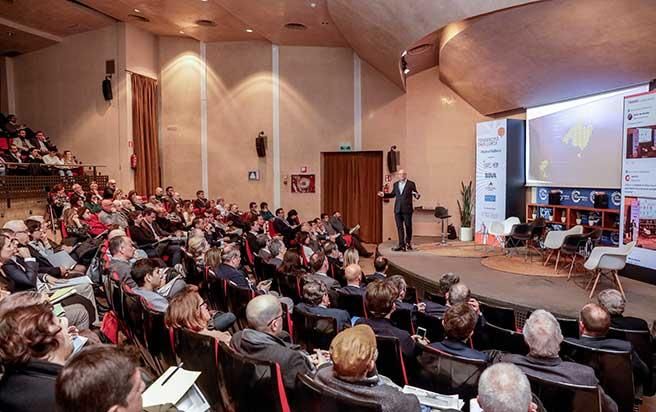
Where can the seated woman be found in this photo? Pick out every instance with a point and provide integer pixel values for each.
(292, 264)
(41, 248)
(57, 199)
(96, 227)
(34, 345)
(353, 372)
(187, 310)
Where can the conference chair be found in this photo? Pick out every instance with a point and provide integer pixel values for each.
(612, 368)
(250, 385)
(448, 374)
(501, 316)
(435, 297)
(238, 298)
(579, 245)
(607, 261)
(313, 331)
(198, 353)
(159, 339)
(410, 295)
(315, 397)
(263, 270)
(569, 327)
(554, 241)
(433, 326)
(402, 319)
(525, 234)
(641, 340)
(217, 292)
(558, 396)
(353, 304)
(502, 339)
(390, 360)
(501, 230)
(289, 285)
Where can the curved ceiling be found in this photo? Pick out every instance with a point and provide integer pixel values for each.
(551, 51)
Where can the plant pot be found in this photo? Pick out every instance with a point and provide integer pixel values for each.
(578, 221)
(466, 234)
(534, 216)
(563, 219)
(551, 218)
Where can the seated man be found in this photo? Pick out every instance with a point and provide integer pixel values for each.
(428, 307)
(317, 302)
(277, 249)
(379, 299)
(122, 250)
(353, 274)
(380, 265)
(229, 269)
(336, 226)
(152, 284)
(353, 372)
(266, 340)
(100, 378)
(543, 337)
(594, 322)
(154, 240)
(504, 388)
(336, 261)
(613, 301)
(319, 264)
(108, 216)
(446, 281)
(459, 321)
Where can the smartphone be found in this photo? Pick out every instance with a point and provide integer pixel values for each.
(421, 332)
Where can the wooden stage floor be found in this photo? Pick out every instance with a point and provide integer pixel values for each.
(555, 294)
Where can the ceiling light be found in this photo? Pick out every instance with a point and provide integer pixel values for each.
(249, 30)
(10, 33)
(137, 11)
(406, 71)
(404, 53)
(181, 31)
(313, 5)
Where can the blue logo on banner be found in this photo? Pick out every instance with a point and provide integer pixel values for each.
(490, 198)
(580, 197)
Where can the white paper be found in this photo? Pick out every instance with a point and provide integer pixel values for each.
(64, 283)
(433, 399)
(173, 390)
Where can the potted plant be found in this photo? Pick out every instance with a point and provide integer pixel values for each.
(578, 218)
(465, 209)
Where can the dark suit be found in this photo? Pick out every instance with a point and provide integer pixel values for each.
(458, 348)
(555, 369)
(22, 275)
(281, 226)
(145, 238)
(351, 290)
(384, 327)
(628, 323)
(403, 210)
(44, 264)
(29, 387)
(325, 279)
(233, 275)
(374, 276)
(343, 318)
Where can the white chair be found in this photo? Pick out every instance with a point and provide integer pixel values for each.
(554, 241)
(607, 261)
(501, 230)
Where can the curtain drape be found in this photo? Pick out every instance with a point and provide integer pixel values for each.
(144, 134)
(350, 182)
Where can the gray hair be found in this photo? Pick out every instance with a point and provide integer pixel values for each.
(459, 293)
(612, 301)
(542, 334)
(275, 247)
(503, 387)
(229, 254)
(261, 310)
(446, 281)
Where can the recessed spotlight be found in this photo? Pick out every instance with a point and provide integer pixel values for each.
(313, 5)
(404, 53)
(249, 30)
(406, 71)
(181, 31)
(10, 33)
(137, 11)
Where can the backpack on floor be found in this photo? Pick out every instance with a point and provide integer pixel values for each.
(451, 230)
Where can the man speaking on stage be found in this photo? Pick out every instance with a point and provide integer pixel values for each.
(404, 190)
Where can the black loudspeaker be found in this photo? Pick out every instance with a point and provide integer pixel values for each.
(554, 198)
(107, 89)
(260, 144)
(601, 200)
(393, 159)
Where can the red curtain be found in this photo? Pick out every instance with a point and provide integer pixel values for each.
(144, 134)
(350, 182)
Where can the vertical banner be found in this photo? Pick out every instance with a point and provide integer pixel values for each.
(638, 215)
(490, 177)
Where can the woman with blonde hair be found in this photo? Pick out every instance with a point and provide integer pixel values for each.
(351, 257)
(187, 310)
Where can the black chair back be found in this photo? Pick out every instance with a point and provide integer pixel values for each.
(289, 285)
(315, 397)
(503, 317)
(159, 339)
(434, 297)
(573, 243)
(641, 341)
(612, 368)
(569, 327)
(217, 294)
(410, 295)
(198, 353)
(390, 359)
(263, 270)
(353, 304)
(449, 374)
(402, 319)
(248, 384)
(556, 396)
(313, 331)
(134, 315)
(433, 326)
(521, 232)
(238, 298)
(502, 339)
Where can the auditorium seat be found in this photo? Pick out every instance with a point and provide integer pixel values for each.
(198, 353)
(263, 270)
(315, 397)
(402, 319)
(569, 327)
(390, 360)
(249, 385)
(434, 297)
(159, 339)
(557, 396)
(238, 298)
(503, 317)
(502, 339)
(289, 285)
(216, 292)
(353, 304)
(433, 326)
(613, 369)
(448, 374)
(313, 331)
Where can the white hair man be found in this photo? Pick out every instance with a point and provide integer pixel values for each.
(504, 388)
(613, 301)
(543, 337)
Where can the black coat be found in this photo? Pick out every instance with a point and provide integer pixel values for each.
(343, 318)
(628, 323)
(403, 201)
(233, 275)
(22, 275)
(384, 327)
(29, 387)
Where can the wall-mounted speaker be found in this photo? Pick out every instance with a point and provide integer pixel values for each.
(110, 67)
(107, 89)
(261, 144)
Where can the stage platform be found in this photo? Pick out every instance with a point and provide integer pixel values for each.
(423, 268)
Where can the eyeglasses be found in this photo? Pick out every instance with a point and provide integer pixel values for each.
(274, 319)
(203, 303)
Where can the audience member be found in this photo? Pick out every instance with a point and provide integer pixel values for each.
(122, 251)
(459, 322)
(505, 388)
(446, 281)
(317, 302)
(188, 310)
(380, 265)
(353, 372)
(278, 250)
(320, 266)
(110, 189)
(152, 284)
(613, 301)
(353, 275)
(351, 257)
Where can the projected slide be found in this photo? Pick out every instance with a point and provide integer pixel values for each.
(578, 143)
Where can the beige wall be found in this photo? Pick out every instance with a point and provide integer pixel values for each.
(141, 52)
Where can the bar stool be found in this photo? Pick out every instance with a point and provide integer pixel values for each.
(442, 213)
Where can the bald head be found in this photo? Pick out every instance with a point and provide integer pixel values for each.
(353, 274)
(15, 226)
(261, 311)
(459, 293)
(595, 320)
(107, 205)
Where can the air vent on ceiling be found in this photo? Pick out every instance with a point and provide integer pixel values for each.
(205, 23)
(295, 26)
(136, 17)
(10, 53)
(422, 48)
